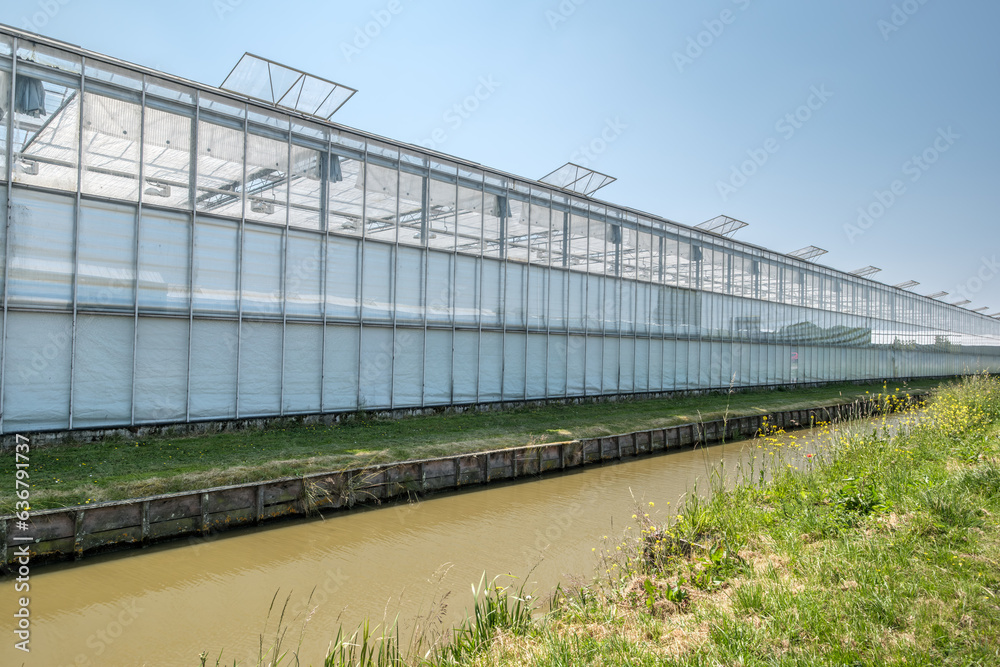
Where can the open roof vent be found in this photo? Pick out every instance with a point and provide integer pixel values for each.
(577, 179)
(810, 252)
(722, 225)
(267, 81)
(865, 271)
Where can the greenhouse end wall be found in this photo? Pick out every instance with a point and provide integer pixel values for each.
(173, 253)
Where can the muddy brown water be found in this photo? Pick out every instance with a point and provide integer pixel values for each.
(166, 604)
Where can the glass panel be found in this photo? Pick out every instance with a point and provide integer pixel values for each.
(541, 234)
(305, 188)
(469, 220)
(164, 249)
(585, 253)
(167, 159)
(46, 132)
(348, 140)
(559, 247)
(214, 353)
(161, 371)
(497, 211)
(516, 230)
(262, 259)
(267, 180)
(169, 90)
(381, 185)
(441, 215)
(5, 92)
(303, 274)
(342, 272)
(48, 56)
(110, 147)
(41, 248)
(412, 214)
(102, 371)
(346, 192)
(221, 105)
(119, 76)
(629, 252)
(220, 170)
(215, 252)
(105, 257)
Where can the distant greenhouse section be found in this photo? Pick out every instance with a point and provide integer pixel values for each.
(174, 252)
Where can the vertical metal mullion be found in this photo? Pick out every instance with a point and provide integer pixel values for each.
(324, 223)
(649, 312)
(425, 243)
(394, 294)
(482, 273)
(603, 297)
(453, 294)
(526, 303)
(504, 253)
(566, 307)
(9, 175)
(635, 316)
(193, 203)
(239, 257)
(284, 273)
(361, 270)
(547, 301)
(138, 231)
(76, 234)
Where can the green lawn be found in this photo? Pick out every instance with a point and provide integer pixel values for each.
(114, 469)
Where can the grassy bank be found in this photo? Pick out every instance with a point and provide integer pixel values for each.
(884, 551)
(881, 549)
(115, 469)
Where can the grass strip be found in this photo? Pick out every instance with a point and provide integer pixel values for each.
(119, 468)
(881, 549)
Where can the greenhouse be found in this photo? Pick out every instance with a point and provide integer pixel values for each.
(177, 252)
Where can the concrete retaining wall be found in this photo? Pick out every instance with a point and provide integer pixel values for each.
(77, 532)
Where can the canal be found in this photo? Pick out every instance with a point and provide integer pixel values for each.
(166, 604)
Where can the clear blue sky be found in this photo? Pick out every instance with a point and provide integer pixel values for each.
(682, 115)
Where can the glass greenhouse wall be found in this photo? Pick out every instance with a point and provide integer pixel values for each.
(173, 253)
